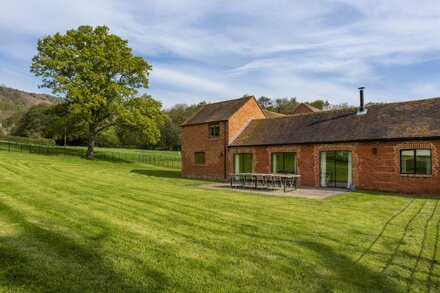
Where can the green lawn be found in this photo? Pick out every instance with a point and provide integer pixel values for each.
(170, 154)
(168, 159)
(68, 224)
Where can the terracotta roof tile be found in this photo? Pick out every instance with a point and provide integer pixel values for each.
(214, 112)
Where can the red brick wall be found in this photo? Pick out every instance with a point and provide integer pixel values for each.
(195, 138)
(249, 111)
(379, 171)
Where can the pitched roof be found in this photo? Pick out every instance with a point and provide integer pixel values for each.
(304, 108)
(219, 111)
(270, 114)
(407, 120)
(314, 109)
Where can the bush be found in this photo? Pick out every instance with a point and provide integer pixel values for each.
(30, 140)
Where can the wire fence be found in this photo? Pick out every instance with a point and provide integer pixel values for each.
(156, 160)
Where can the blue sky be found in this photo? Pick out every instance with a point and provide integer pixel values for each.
(217, 50)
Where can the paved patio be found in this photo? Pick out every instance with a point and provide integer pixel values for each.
(303, 192)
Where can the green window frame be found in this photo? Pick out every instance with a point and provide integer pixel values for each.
(214, 130)
(283, 162)
(416, 161)
(243, 163)
(199, 158)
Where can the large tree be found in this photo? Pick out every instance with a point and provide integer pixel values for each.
(100, 77)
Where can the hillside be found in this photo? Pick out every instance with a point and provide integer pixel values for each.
(13, 100)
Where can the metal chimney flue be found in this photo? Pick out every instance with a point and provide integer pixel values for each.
(362, 109)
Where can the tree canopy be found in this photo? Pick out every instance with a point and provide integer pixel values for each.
(285, 105)
(100, 79)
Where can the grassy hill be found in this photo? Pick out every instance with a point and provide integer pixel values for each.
(13, 100)
(72, 225)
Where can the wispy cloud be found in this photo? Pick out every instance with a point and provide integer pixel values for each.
(217, 49)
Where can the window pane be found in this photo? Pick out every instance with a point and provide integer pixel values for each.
(242, 163)
(247, 163)
(277, 163)
(341, 168)
(423, 162)
(289, 162)
(237, 163)
(200, 158)
(329, 172)
(407, 161)
(214, 130)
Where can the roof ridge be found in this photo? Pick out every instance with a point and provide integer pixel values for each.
(311, 107)
(354, 107)
(225, 101)
(403, 102)
(223, 110)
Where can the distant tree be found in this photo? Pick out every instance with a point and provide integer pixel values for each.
(285, 105)
(317, 104)
(10, 123)
(35, 122)
(100, 77)
(64, 126)
(344, 106)
(374, 103)
(265, 102)
(170, 131)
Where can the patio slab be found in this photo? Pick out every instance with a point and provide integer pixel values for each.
(302, 192)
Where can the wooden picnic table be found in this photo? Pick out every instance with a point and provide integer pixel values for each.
(264, 180)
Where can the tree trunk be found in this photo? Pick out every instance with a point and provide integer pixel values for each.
(65, 137)
(91, 146)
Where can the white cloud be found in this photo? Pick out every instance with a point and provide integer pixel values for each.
(227, 48)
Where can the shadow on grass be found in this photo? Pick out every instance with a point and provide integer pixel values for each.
(433, 261)
(111, 158)
(390, 261)
(383, 230)
(38, 259)
(422, 248)
(345, 271)
(158, 173)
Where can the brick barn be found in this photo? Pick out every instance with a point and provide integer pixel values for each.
(391, 147)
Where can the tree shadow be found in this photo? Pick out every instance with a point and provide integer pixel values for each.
(433, 261)
(400, 242)
(41, 260)
(366, 251)
(345, 271)
(158, 173)
(422, 248)
(110, 158)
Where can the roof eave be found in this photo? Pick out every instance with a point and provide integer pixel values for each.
(201, 123)
(343, 141)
